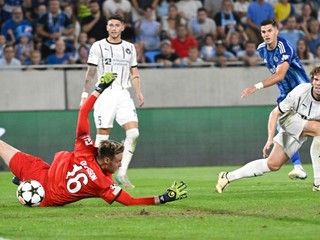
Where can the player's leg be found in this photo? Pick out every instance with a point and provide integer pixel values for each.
(104, 115)
(7, 152)
(102, 135)
(255, 168)
(127, 118)
(312, 129)
(15, 180)
(298, 129)
(130, 142)
(298, 172)
(315, 158)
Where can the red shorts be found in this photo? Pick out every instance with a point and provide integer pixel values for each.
(26, 167)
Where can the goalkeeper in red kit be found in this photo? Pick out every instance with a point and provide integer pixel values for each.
(87, 171)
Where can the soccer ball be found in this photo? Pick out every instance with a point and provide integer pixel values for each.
(30, 193)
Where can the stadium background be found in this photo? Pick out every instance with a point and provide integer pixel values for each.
(192, 117)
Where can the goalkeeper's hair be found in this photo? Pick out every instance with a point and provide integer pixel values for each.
(109, 148)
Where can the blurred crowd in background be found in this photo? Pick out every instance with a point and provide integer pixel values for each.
(173, 33)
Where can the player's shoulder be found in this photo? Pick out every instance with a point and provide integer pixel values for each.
(126, 43)
(301, 88)
(100, 42)
(261, 46)
(284, 45)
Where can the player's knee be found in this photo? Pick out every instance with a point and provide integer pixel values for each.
(273, 166)
(132, 133)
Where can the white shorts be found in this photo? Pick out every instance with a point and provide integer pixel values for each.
(114, 104)
(289, 136)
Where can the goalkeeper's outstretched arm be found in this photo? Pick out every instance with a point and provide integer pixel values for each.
(175, 192)
(83, 126)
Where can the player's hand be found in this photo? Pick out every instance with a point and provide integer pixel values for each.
(266, 148)
(140, 99)
(108, 78)
(105, 81)
(248, 91)
(175, 192)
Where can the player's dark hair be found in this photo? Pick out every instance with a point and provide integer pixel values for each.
(314, 71)
(116, 17)
(269, 21)
(109, 148)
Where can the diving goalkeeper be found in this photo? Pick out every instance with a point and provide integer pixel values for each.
(87, 171)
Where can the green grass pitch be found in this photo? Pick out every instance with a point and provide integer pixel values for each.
(267, 207)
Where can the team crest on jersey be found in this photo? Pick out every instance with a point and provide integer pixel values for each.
(275, 58)
(116, 189)
(285, 57)
(128, 51)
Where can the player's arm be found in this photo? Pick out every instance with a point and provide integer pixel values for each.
(270, 81)
(136, 82)
(272, 126)
(175, 192)
(83, 126)
(90, 77)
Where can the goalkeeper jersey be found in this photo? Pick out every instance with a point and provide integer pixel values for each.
(74, 175)
(77, 175)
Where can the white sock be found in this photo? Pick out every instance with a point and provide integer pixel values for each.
(129, 147)
(99, 138)
(315, 158)
(251, 169)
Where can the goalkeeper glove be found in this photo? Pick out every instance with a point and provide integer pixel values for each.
(105, 81)
(175, 192)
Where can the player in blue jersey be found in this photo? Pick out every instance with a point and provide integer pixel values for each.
(286, 71)
(299, 117)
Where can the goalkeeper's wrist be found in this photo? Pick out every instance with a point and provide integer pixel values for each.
(100, 88)
(167, 197)
(84, 95)
(162, 199)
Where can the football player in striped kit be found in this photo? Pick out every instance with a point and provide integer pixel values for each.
(116, 57)
(286, 70)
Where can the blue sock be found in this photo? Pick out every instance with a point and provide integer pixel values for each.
(295, 159)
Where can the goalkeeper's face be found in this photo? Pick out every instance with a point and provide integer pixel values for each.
(113, 164)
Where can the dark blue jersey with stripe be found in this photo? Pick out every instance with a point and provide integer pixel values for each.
(273, 58)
